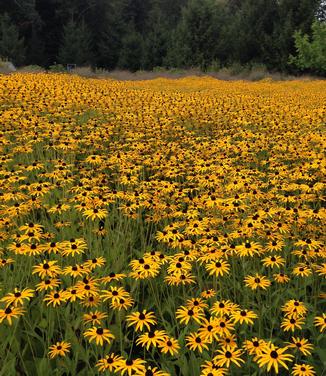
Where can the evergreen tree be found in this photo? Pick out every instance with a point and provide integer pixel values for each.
(11, 45)
(156, 39)
(76, 45)
(197, 34)
(131, 55)
(109, 40)
(134, 34)
(36, 48)
(293, 16)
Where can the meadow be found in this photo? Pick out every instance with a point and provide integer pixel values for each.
(161, 227)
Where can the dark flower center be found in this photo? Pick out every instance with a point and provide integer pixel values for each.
(99, 331)
(274, 354)
(228, 354)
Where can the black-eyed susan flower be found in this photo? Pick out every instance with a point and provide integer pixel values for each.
(255, 346)
(141, 320)
(196, 342)
(95, 213)
(109, 363)
(228, 355)
(320, 322)
(281, 278)
(122, 303)
(223, 307)
(169, 345)
(301, 344)
(218, 268)
(210, 329)
(9, 313)
(48, 284)
(130, 366)
(292, 323)
(302, 370)
(301, 270)
(74, 271)
(55, 298)
(257, 281)
(94, 317)
(294, 308)
(47, 269)
(274, 357)
(210, 293)
(152, 338)
(99, 335)
(244, 316)
(6, 261)
(115, 293)
(59, 349)
(273, 261)
(210, 368)
(95, 262)
(185, 314)
(17, 297)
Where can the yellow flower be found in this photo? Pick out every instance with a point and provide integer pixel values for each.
(141, 319)
(99, 334)
(228, 355)
(59, 349)
(273, 357)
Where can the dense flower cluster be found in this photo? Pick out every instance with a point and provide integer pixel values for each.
(163, 227)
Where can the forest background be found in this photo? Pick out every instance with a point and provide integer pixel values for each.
(279, 35)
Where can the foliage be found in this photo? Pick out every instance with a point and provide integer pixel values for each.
(57, 68)
(76, 47)
(131, 56)
(11, 45)
(311, 54)
(136, 34)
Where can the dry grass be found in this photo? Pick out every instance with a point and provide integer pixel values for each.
(225, 74)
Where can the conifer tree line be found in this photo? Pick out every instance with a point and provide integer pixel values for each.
(144, 34)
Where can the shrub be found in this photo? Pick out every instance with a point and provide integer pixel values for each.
(57, 68)
(311, 54)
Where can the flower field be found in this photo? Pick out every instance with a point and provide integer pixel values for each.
(164, 227)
